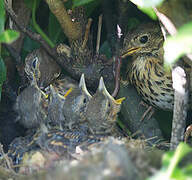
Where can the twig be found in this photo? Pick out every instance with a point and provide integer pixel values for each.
(170, 27)
(31, 34)
(5, 157)
(180, 84)
(166, 22)
(99, 33)
(118, 62)
(87, 31)
(72, 29)
(149, 111)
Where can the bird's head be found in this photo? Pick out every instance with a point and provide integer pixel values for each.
(146, 39)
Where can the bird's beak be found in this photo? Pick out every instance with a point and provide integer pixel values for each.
(44, 94)
(55, 93)
(103, 89)
(120, 100)
(130, 51)
(82, 86)
(68, 92)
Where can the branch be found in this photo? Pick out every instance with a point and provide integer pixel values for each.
(99, 33)
(87, 31)
(118, 62)
(29, 33)
(72, 29)
(180, 84)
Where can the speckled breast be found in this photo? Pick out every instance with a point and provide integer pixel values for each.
(153, 83)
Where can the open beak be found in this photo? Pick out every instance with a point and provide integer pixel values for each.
(130, 51)
(103, 89)
(120, 100)
(83, 87)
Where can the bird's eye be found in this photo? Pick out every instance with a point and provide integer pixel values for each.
(109, 105)
(34, 63)
(143, 39)
(84, 100)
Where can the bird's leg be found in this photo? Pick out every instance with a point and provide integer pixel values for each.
(149, 111)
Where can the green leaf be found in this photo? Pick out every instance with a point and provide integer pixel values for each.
(188, 170)
(29, 4)
(54, 28)
(167, 158)
(77, 3)
(147, 3)
(146, 6)
(8, 36)
(170, 170)
(180, 152)
(2, 74)
(179, 44)
(2, 16)
(149, 11)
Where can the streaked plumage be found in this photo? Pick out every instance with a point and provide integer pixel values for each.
(39, 64)
(31, 106)
(67, 102)
(102, 110)
(147, 72)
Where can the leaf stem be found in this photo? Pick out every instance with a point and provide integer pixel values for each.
(37, 28)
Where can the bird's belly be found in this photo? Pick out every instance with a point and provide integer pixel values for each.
(156, 94)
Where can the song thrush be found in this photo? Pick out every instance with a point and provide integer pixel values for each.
(147, 73)
(76, 104)
(31, 105)
(39, 64)
(67, 102)
(101, 111)
(55, 107)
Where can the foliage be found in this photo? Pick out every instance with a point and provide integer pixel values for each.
(77, 3)
(179, 44)
(2, 16)
(37, 28)
(170, 169)
(6, 36)
(147, 6)
(54, 28)
(175, 46)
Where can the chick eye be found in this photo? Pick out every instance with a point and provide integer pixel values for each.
(143, 39)
(34, 63)
(84, 100)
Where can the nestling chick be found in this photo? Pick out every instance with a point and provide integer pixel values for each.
(67, 102)
(63, 85)
(76, 103)
(102, 109)
(40, 64)
(55, 107)
(31, 106)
